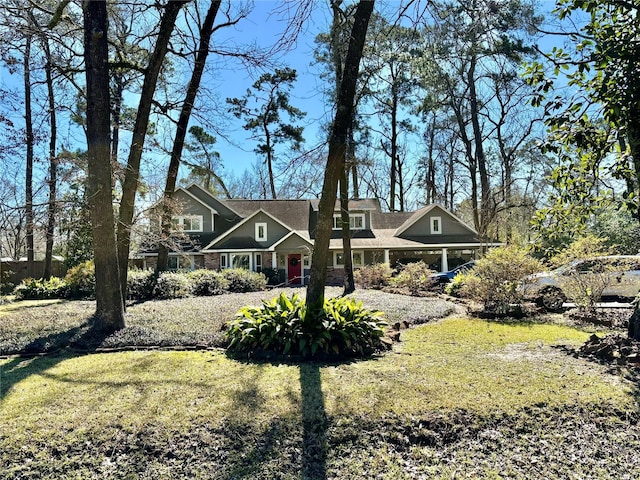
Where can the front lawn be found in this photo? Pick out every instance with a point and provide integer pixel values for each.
(457, 398)
(48, 325)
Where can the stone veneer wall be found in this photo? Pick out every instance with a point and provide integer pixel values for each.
(212, 261)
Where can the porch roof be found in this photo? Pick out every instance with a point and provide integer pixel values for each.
(385, 239)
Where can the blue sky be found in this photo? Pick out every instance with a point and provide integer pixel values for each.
(266, 27)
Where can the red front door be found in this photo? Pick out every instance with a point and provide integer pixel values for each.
(295, 268)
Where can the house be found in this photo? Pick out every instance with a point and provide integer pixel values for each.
(276, 236)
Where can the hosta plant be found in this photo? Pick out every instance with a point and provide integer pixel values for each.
(282, 325)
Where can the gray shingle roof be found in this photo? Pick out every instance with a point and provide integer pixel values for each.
(292, 213)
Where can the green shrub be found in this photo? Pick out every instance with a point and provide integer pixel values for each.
(207, 282)
(172, 285)
(376, 276)
(140, 284)
(416, 277)
(497, 279)
(346, 328)
(274, 276)
(32, 289)
(6, 287)
(81, 280)
(456, 287)
(241, 280)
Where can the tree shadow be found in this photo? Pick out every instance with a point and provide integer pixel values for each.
(45, 352)
(314, 423)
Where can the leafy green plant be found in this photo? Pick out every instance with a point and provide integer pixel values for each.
(39, 289)
(376, 276)
(415, 277)
(281, 325)
(207, 282)
(140, 284)
(242, 280)
(172, 285)
(588, 246)
(497, 279)
(81, 280)
(456, 286)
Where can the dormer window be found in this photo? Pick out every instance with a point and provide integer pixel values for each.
(188, 223)
(261, 232)
(356, 221)
(436, 225)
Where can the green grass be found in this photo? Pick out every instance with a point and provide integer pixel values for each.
(458, 398)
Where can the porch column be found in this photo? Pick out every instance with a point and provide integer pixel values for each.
(386, 255)
(274, 261)
(445, 261)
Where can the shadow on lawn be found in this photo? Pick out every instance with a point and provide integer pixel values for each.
(276, 439)
(45, 352)
(314, 423)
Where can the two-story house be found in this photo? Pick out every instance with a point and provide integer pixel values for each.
(279, 235)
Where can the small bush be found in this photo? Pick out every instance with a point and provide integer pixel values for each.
(281, 325)
(497, 279)
(172, 285)
(375, 276)
(456, 287)
(274, 276)
(416, 277)
(32, 289)
(82, 280)
(207, 282)
(241, 280)
(140, 284)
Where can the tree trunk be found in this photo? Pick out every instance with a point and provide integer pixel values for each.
(349, 282)
(109, 304)
(484, 211)
(132, 172)
(181, 131)
(336, 159)
(634, 323)
(28, 189)
(53, 164)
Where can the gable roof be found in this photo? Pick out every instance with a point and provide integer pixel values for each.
(192, 196)
(418, 214)
(293, 214)
(229, 232)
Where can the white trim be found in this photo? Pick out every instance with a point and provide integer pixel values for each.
(341, 265)
(417, 216)
(213, 210)
(432, 224)
(224, 256)
(263, 237)
(243, 222)
(221, 202)
(338, 216)
(287, 236)
(248, 254)
(179, 219)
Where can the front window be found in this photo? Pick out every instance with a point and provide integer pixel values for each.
(223, 261)
(177, 262)
(241, 260)
(188, 223)
(357, 259)
(258, 262)
(356, 221)
(261, 232)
